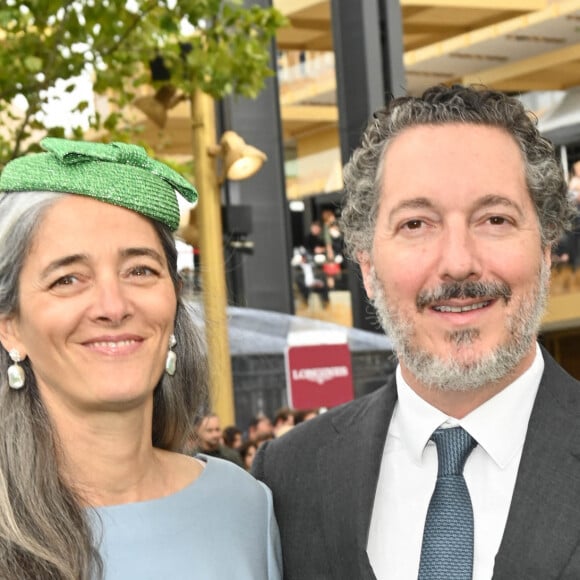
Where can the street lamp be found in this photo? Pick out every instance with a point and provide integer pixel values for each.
(238, 161)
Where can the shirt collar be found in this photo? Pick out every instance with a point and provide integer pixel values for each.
(499, 425)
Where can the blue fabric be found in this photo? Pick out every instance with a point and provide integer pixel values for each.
(447, 551)
(220, 527)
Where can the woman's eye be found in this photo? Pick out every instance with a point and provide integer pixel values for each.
(497, 220)
(68, 280)
(142, 271)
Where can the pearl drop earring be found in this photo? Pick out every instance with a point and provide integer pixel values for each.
(16, 375)
(171, 360)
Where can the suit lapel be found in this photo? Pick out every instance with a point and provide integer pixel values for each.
(543, 527)
(350, 465)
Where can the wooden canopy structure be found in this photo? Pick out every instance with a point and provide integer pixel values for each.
(516, 46)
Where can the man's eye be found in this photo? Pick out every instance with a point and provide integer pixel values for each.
(497, 220)
(413, 224)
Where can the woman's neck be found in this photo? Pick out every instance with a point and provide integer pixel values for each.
(107, 457)
(110, 460)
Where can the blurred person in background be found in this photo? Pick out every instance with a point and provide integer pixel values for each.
(302, 415)
(232, 437)
(260, 428)
(209, 440)
(314, 243)
(248, 452)
(283, 421)
(567, 250)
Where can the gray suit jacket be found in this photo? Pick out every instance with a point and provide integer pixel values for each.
(324, 473)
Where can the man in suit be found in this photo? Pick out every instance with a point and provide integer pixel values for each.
(453, 202)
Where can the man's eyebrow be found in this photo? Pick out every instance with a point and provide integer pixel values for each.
(494, 199)
(413, 203)
(481, 203)
(61, 262)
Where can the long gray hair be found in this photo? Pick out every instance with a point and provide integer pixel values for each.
(44, 530)
(437, 106)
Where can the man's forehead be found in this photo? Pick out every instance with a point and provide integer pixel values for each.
(427, 157)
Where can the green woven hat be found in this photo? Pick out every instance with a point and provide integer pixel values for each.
(115, 173)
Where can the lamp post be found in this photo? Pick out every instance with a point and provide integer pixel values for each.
(238, 161)
(212, 267)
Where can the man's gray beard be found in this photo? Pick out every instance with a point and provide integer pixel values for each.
(456, 375)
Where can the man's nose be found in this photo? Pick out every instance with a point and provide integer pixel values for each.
(460, 257)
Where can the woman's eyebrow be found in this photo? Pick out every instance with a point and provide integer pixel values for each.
(142, 251)
(60, 262)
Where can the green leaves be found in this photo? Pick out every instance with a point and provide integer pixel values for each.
(33, 64)
(44, 41)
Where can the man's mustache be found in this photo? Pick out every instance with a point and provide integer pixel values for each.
(462, 290)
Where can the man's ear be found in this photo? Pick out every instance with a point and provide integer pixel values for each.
(364, 262)
(9, 335)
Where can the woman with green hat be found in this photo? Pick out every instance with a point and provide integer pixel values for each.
(102, 376)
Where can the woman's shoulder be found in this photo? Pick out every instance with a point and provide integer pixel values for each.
(227, 473)
(234, 489)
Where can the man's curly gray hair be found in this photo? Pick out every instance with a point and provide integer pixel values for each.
(438, 106)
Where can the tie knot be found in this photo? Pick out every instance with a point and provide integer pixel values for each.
(453, 448)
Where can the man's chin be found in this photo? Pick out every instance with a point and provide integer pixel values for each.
(465, 369)
(444, 373)
(463, 356)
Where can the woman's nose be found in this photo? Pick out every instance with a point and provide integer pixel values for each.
(112, 301)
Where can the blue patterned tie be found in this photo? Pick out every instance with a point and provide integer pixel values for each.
(447, 551)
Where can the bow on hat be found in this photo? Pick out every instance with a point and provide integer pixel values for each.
(116, 173)
(71, 152)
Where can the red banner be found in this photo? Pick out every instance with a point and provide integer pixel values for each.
(318, 375)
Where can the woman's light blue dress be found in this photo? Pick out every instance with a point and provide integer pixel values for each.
(220, 527)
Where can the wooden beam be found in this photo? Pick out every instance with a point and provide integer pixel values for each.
(523, 67)
(294, 95)
(501, 5)
(526, 84)
(310, 113)
(491, 32)
(444, 30)
(290, 7)
(311, 23)
(302, 39)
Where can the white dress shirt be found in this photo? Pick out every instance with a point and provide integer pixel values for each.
(409, 471)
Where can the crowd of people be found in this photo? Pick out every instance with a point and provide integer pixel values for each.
(567, 250)
(240, 447)
(319, 263)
